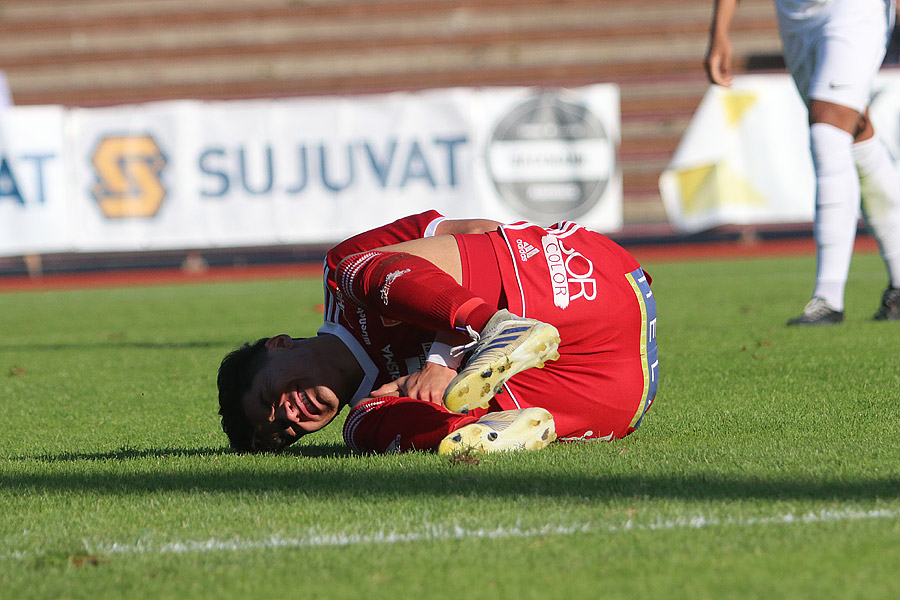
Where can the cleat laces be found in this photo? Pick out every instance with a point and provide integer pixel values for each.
(817, 308)
(460, 350)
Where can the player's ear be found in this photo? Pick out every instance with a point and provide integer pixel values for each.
(279, 342)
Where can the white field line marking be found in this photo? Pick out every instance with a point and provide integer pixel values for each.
(437, 532)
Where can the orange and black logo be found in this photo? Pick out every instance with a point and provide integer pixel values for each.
(129, 176)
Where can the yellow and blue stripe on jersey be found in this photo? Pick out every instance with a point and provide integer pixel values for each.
(649, 353)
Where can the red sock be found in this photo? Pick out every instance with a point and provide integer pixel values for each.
(410, 289)
(392, 424)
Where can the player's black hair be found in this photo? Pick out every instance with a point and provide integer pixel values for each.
(236, 373)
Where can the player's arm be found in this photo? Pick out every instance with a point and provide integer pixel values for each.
(719, 53)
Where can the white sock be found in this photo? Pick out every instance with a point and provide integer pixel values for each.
(880, 190)
(837, 209)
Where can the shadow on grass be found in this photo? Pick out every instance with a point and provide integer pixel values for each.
(113, 344)
(349, 476)
(312, 451)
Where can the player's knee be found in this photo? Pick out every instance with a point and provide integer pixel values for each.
(864, 128)
(842, 117)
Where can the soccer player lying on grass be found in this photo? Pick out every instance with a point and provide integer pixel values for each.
(421, 339)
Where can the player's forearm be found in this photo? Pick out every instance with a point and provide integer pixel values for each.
(723, 15)
(719, 52)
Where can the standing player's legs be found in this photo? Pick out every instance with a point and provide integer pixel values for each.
(833, 60)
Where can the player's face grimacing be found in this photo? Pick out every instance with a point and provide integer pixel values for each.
(285, 400)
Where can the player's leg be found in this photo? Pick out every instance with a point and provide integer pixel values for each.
(802, 44)
(393, 424)
(880, 191)
(396, 424)
(836, 209)
(416, 282)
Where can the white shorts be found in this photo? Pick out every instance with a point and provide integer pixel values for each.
(835, 51)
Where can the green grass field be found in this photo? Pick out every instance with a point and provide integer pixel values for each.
(769, 466)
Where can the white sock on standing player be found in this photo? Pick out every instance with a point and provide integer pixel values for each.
(837, 210)
(880, 190)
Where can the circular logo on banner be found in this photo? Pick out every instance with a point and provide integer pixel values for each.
(550, 158)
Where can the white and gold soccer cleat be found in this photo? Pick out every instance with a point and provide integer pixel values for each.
(508, 345)
(519, 429)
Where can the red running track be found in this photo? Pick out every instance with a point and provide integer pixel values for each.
(644, 253)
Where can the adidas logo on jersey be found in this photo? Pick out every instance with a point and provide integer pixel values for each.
(526, 250)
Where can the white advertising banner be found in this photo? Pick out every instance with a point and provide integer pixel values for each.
(745, 156)
(189, 174)
(34, 198)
